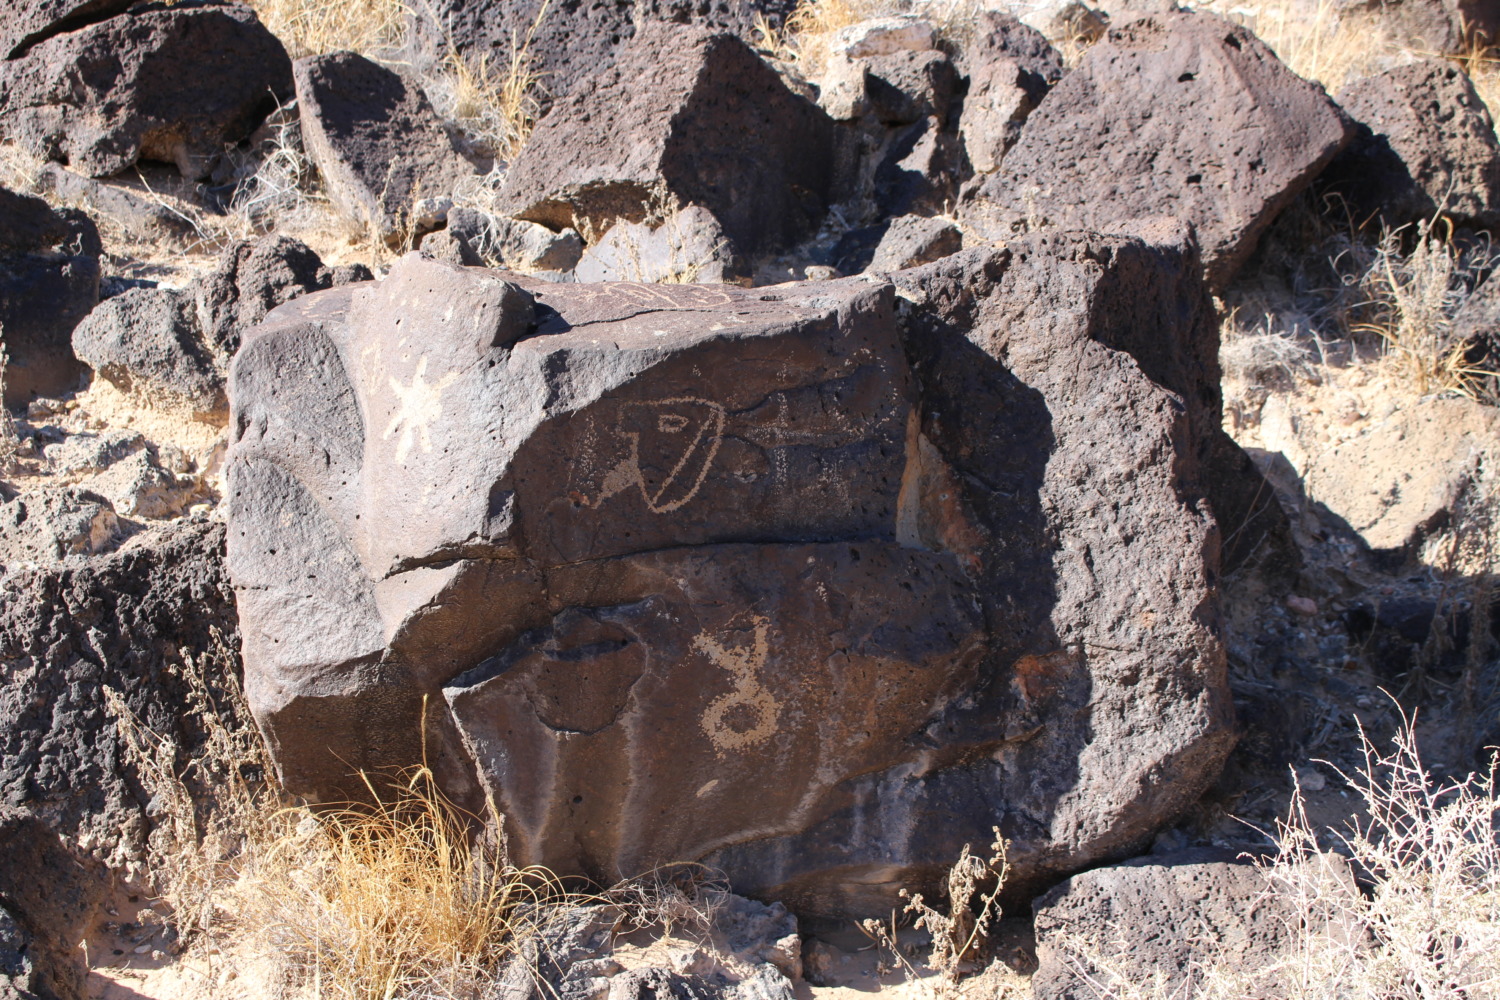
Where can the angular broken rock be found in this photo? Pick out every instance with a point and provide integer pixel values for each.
(568, 42)
(103, 96)
(1426, 146)
(714, 127)
(49, 281)
(1185, 115)
(638, 546)
(30, 21)
(1010, 67)
(687, 247)
(47, 526)
(145, 342)
(376, 141)
(913, 240)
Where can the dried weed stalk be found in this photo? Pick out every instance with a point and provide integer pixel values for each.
(317, 27)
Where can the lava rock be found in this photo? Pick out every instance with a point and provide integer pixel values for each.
(31, 21)
(687, 247)
(48, 897)
(137, 215)
(1166, 916)
(1426, 147)
(49, 280)
(253, 277)
(110, 93)
(47, 526)
(631, 598)
(1122, 138)
(569, 42)
(376, 141)
(146, 343)
(122, 620)
(715, 127)
(913, 240)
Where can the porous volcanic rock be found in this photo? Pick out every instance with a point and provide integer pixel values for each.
(124, 621)
(569, 41)
(376, 141)
(1184, 115)
(49, 280)
(1169, 916)
(715, 127)
(108, 94)
(30, 21)
(146, 343)
(1426, 146)
(640, 546)
(47, 526)
(48, 898)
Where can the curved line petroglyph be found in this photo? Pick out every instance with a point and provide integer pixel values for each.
(742, 663)
(702, 451)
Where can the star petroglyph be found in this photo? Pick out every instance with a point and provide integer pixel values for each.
(421, 404)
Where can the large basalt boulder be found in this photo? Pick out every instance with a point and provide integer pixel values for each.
(110, 93)
(1010, 66)
(376, 141)
(125, 621)
(937, 561)
(714, 127)
(146, 343)
(566, 41)
(49, 281)
(28, 22)
(1426, 147)
(1185, 115)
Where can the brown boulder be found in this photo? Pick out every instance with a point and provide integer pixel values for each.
(567, 42)
(376, 141)
(1185, 115)
(108, 94)
(713, 127)
(641, 545)
(48, 896)
(1426, 146)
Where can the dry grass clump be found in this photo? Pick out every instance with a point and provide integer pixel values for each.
(386, 899)
(1423, 923)
(317, 27)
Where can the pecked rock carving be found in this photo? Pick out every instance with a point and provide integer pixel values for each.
(814, 583)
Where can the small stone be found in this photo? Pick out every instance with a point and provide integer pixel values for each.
(884, 36)
(1302, 605)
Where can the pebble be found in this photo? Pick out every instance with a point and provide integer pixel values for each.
(1302, 605)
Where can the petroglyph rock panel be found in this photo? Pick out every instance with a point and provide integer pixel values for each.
(814, 583)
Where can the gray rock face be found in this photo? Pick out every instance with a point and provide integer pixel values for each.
(49, 280)
(251, 279)
(48, 897)
(1122, 138)
(120, 620)
(913, 240)
(687, 247)
(641, 545)
(146, 343)
(1169, 916)
(1426, 146)
(103, 96)
(135, 214)
(1010, 66)
(46, 526)
(572, 41)
(376, 141)
(716, 128)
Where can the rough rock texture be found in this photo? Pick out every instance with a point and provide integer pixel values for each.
(137, 214)
(1438, 26)
(1184, 115)
(1477, 328)
(521, 246)
(146, 343)
(1407, 477)
(573, 39)
(30, 21)
(1163, 915)
(688, 247)
(251, 279)
(48, 897)
(49, 280)
(104, 96)
(1009, 67)
(1426, 146)
(614, 532)
(913, 240)
(376, 141)
(715, 127)
(46, 526)
(121, 620)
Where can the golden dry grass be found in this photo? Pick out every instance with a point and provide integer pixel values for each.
(316, 27)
